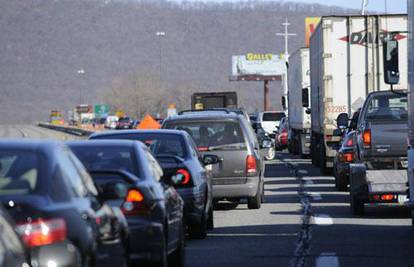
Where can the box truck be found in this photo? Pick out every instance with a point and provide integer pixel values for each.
(299, 102)
(346, 64)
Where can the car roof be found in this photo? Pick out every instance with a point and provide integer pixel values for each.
(206, 115)
(29, 144)
(105, 142)
(159, 131)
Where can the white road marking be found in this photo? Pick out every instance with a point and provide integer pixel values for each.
(315, 196)
(327, 259)
(309, 182)
(322, 219)
(302, 171)
(252, 235)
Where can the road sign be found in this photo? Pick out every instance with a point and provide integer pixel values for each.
(101, 111)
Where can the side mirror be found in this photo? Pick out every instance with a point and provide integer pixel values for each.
(284, 102)
(342, 120)
(115, 190)
(210, 159)
(390, 55)
(308, 111)
(305, 98)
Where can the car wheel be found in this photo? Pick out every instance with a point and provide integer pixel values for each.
(341, 183)
(255, 202)
(271, 153)
(177, 258)
(198, 231)
(163, 260)
(357, 206)
(210, 221)
(263, 194)
(412, 217)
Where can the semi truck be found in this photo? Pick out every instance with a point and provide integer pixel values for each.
(346, 65)
(410, 169)
(299, 102)
(214, 100)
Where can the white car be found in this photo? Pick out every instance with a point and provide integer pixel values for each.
(111, 122)
(269, 120)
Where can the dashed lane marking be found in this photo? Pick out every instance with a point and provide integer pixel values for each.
(327, 259)
(322, 219)
(315, 196)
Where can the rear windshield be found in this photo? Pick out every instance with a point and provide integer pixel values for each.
(387, 107)
(124, 120)
(273, 116)
(170, 144)
(96, 158)
(212, 133)
(19, 172)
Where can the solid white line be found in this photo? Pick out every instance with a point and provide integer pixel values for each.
(309, 182)
(322, 219)
(327, 259)
(315, 196)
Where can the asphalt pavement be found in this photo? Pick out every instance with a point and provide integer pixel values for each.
(304, 222)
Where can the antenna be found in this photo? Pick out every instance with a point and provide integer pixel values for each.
(364, 5)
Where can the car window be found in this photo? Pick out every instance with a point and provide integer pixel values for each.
(387, 107)
(211, 133)
(71, 175)
(19, 172)
(154, 167)
(273, 116)
(86, 178)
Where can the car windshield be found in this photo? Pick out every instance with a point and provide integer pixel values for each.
(273, 116)
(19, 172)
(165, 144)
(387, 107)
(96, 158)
(218, 134)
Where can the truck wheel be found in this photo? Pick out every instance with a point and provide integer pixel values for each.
(357, 206)
(341, 183)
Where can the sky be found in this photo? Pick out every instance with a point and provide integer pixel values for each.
(393, 6)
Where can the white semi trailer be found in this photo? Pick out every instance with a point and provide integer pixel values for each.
(410, 169)
(346, 64)
(299, 102)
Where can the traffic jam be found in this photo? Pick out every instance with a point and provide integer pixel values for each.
(148, 191)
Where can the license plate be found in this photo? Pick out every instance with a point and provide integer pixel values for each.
(402, 199)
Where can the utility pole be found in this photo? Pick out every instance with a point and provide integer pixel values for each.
(160, 35)
(286, 35)
(81, 73)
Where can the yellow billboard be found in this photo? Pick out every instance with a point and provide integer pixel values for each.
(310, 25)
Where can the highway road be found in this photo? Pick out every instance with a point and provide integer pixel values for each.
(304, 222)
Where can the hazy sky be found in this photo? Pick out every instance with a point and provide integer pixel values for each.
(393, 6)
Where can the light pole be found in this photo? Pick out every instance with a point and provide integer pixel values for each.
(160, 35)
(81, 72)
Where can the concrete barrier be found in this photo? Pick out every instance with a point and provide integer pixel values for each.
(67, 129)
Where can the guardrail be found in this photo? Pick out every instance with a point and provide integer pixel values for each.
(66, 129)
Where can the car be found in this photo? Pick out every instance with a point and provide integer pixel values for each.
(269, 120)
(153, 208)
(111, 122)
(267, 144)
(12, 250)
(231, 138)
(59, 214)
(178, 156)
(124, 123)
(346, 155)
(281, 138)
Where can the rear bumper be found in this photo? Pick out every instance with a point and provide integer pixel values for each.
(248, 189)
(63, 254)
(145, 240)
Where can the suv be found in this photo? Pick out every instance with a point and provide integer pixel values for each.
(229, 136)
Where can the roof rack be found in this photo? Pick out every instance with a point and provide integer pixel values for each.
(225, 110)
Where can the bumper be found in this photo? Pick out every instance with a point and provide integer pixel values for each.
(145, 241)
(248, 189)
(63, 254)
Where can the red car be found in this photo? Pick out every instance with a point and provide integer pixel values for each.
(281, 138)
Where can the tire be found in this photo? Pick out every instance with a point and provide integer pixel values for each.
(254, 203)
(163, 261)
(341, 183)
(412, 217)
(263, 200)
(177, 258)
(210, 220)
(271, 153)
(357, 206)
(199, 231)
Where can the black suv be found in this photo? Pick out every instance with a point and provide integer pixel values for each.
(239, 174)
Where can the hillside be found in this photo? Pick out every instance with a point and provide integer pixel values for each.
(44, 43)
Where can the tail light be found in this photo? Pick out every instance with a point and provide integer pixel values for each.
(182, 178)
(251, 165)
(348, 157)
(42, 232)
(349, 143)
(202, 148)
(366, 137)
(134, 203)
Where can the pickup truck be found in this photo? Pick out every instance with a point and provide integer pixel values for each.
(378, 175)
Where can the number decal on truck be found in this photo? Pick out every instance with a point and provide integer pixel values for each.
(336, 109)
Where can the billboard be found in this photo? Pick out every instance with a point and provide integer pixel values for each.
(253, 64)
(310, 25)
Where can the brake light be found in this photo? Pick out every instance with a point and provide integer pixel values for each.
(134, 203)
(202, 148)
(366, 137)
(251, 165)
(387, 197)
(349, 143)
(348, 157)
(42, 232)
(183, 176)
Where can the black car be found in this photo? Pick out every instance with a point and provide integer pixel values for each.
(55, 204)
(12, 250)
(240, 173)
(153, 208)
(178, 156)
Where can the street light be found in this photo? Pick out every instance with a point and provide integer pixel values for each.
(160, 35)
(81, 72)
